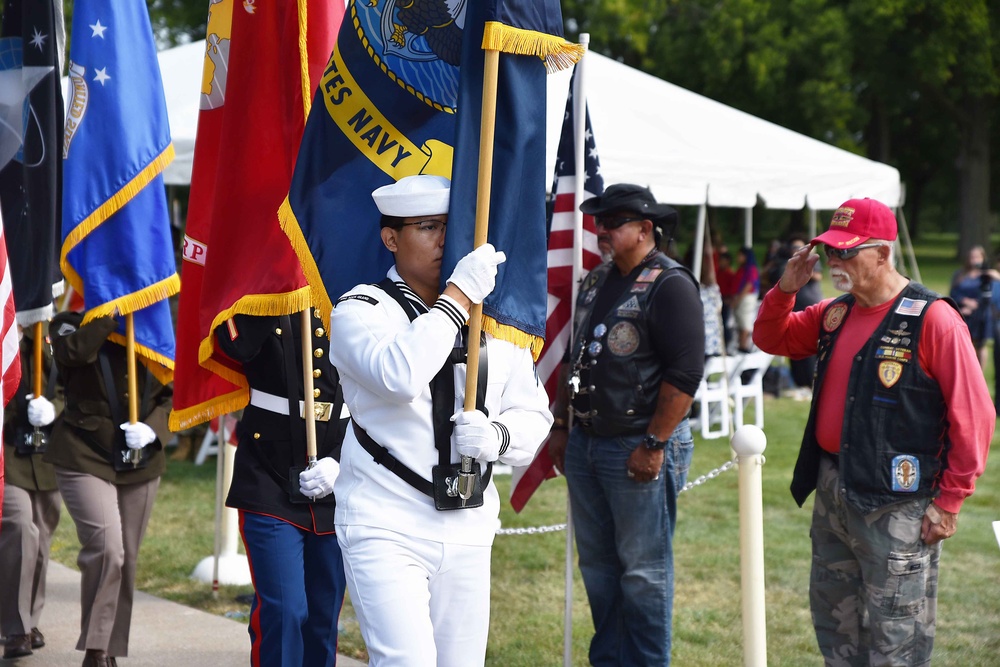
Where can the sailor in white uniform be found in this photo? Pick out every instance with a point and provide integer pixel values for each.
(417, 560)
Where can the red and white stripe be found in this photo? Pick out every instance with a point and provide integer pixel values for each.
(9, 361)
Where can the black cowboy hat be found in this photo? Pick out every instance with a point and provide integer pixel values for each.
(629, 197)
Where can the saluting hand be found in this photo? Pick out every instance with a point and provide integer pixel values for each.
(798, 270)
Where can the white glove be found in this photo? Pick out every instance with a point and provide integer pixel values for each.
(476, 436)
(317, 482)
(138, 435)
(476, 273)
(41, 412)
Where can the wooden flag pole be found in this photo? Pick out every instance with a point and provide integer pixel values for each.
(37, 388)
(135, 455)
(483, 190)
(307, 390)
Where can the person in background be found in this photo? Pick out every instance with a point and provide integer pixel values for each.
(108, 471)
(725, 277)
(745, 301)
(31, 505)
(898, 432)
(971, 288)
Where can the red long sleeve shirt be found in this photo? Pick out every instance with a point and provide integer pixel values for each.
(945, 353)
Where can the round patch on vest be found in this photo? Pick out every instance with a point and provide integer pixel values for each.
(889, 373)
(834, 317)
(623, 339)
(905, 473)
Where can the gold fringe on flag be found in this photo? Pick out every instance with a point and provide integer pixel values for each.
(109, 208)
(160, 366)
(290, 225)
(513, 335)
(557, 53)
(130, 303)
(304, 56)
(203, 412)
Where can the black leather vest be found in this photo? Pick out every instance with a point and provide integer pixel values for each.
(615, 359)
(894, 442)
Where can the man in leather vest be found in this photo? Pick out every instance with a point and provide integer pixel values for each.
(417, 561)
(899, 430)
(637, 357)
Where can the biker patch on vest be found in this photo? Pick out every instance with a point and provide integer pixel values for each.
(629, 309)
(905, 473)
(589, 296)
(889, 373)
(639, 288)
(623, 339)
(898, 353)
(834, 317)
(911, 306)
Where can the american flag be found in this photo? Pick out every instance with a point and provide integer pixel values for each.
(10, 364)
(560, 277)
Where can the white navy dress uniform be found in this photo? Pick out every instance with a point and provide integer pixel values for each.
(419, 578)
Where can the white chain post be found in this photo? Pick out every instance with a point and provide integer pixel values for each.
(749, 443)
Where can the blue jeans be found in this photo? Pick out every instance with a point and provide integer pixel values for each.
(624, 533)
(299, 583)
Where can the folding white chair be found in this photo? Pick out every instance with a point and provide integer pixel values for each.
(752, 390)
(713, 400)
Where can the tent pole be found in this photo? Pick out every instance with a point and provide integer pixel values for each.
(811, 217)
(907, 244)
(748, 227)
(699, 243)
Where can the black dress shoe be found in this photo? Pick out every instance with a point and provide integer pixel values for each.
(17, 646)
(96, 658)
(37, 638)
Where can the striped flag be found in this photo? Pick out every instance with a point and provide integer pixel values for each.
(560, 277)
(10, 365)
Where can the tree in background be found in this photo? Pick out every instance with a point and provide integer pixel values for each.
(913, 84)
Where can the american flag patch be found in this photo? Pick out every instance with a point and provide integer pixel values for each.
(911, 306)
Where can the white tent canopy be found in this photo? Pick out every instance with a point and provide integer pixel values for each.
(689, 149)
(692, 150)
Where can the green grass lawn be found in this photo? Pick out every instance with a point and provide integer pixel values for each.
(526, 627)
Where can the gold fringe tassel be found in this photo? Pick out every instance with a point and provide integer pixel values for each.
(160, 366)
(129, 303)
(513, 335)
(203, 412)
(109, 208)
(557, 53)
(290, 225)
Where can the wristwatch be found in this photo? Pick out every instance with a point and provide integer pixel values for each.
(650, 442)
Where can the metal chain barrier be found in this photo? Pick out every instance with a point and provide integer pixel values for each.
(534, 530)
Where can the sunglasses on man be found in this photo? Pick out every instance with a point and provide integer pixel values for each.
(848, 253)
(613, 222)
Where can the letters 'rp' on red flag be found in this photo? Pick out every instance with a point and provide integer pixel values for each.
(262, 64)
(560, 277)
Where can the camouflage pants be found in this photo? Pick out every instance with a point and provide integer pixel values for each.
(873, 586)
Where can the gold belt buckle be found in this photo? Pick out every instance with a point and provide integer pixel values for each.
(322, 410)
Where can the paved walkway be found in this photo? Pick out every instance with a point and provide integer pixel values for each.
(163, 632)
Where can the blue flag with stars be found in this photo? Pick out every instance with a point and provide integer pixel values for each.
(117, 249)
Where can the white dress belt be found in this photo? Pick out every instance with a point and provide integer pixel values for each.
(279, 404)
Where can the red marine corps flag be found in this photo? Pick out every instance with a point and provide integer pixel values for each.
(561, 256)
(262, 64)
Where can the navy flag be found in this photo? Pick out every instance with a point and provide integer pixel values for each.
(117, 248)
(387, 107)
(30, 184)
(528, 35)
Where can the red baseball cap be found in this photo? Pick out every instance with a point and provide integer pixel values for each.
(856, 221)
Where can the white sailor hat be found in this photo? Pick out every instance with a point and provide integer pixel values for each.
(414, 195)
